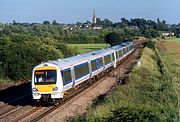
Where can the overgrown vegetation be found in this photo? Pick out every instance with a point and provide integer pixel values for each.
(170, 56)
(149, 96)
(19, 54)
(150, 44)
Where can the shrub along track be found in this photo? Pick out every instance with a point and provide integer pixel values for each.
(34, 113)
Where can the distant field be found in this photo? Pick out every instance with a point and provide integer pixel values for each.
(177, 40)
(83, 48)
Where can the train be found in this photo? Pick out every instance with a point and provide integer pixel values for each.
(53, 79)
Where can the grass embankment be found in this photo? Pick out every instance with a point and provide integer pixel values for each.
(169, 52)
(147, 96)
(4, 83)
(84, 48)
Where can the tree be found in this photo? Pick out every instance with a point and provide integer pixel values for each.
(79, 24)
(162, 26)
(55, 23)
(147, 33)
(46, 22)
(14, 22)
(88, 22)
(127, 35)
(113, 38)
(124, 22)
(108, 22)
(21, 53)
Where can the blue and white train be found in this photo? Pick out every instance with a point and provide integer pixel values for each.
(54, 78)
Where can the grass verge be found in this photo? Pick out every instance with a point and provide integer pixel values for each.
(4, 83)
(169, 52)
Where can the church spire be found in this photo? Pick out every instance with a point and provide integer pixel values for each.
(94, 18)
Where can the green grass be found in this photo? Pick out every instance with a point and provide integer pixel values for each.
(177, 40)
(149, 96)
(171, 59)
(4, 83)
(83, 48)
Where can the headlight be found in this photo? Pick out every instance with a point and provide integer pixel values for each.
(55, 89)
(35, 90)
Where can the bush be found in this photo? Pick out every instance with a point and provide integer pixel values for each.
(21, 53)
(113, 38)
(67, 51)
(150, 44)
(135, 114)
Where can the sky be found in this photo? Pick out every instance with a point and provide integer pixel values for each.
(72, 11)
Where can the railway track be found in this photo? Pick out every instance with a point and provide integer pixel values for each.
(8, 106)
(49, 110)
(36, 113)
(9, 109)
(15, 100)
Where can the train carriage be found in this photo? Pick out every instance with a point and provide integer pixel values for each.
(50, 80)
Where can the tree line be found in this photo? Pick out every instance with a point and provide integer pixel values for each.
(24, 45)
(22, 48)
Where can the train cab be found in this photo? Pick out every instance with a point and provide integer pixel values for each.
(45, 82)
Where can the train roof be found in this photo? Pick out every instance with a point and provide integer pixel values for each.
(81, 58)
(62, 63)
(117, 47)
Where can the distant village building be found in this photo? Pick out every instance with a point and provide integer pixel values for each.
(168, 34)
(69, 26)
(86, 25)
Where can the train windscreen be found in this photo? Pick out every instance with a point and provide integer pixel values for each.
(45, 77)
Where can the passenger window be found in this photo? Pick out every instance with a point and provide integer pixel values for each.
(117, 55)
(81, 70)
(120, 53)
(127, 49)
(93, 65)
(124, 51)
(107, 59)
(66, 76)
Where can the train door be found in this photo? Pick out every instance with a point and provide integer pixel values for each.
(90, 68)
(115, 59)
(73, 76)
(103, 62)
